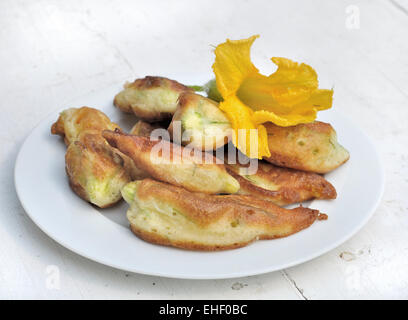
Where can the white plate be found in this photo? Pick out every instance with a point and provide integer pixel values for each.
(104, 235)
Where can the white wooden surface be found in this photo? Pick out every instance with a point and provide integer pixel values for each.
(52, 51)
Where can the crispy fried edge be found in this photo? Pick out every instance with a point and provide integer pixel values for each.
(57, 128)
(285, 195)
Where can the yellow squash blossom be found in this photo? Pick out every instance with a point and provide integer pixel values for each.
(287, 97)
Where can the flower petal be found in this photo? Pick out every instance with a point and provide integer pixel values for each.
(286, 120)
(254, 143)
(291, 84)
(292, 75)
(303, 112)
(321, 99)
(233, 64)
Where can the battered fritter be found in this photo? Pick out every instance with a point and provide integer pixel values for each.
(168, 215)
(74, 121)
(143, 128)
(151, 98)
(177, 165)
(309, 147)
(96, 171)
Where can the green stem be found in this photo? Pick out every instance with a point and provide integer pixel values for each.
(197, 88)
